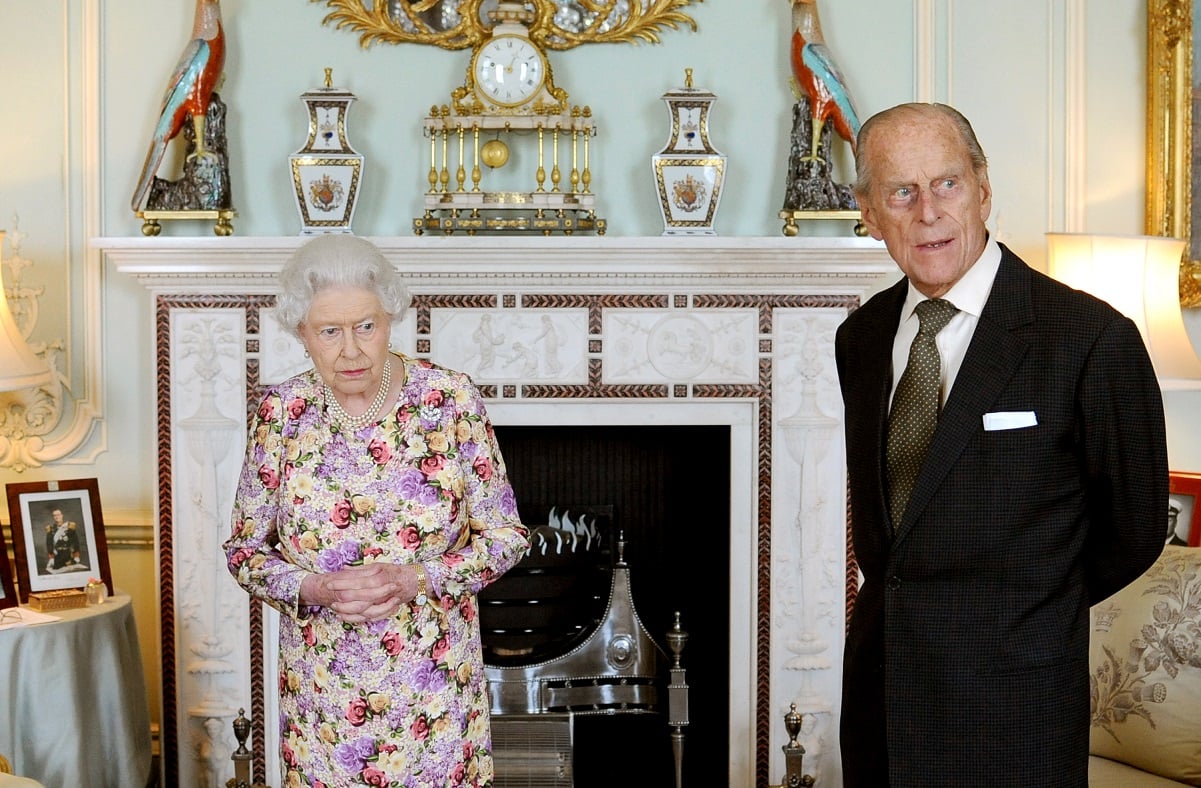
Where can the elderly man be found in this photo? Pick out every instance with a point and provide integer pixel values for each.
(1008, 468)
(62, 545)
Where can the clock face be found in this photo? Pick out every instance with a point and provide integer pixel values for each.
(509, 70)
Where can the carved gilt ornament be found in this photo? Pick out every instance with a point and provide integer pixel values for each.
(463, 24)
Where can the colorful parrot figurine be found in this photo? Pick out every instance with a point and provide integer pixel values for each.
(188, 93)
(817, 77)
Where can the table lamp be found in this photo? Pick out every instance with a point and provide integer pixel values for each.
(20, 367)
(1139, 275)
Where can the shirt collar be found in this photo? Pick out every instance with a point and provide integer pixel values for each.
(971, 291)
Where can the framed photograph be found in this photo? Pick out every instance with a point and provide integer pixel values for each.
(58, 535)
(8, 592)
(1184, 516)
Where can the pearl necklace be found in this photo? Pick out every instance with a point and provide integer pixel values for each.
(355, 423)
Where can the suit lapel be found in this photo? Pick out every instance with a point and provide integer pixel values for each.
(992, 358)
(873, 378)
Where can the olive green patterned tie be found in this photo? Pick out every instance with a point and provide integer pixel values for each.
(915, 406)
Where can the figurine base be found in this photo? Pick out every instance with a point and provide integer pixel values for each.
(791, 229)
(151, 220)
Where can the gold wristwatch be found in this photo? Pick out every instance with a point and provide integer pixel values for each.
(422, 585)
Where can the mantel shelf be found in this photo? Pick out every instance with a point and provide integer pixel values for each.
(250, 264)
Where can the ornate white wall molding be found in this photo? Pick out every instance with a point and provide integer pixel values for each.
(63, 423)
(734, 331)
(28, 416)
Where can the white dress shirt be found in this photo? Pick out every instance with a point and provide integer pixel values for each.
(968, 295)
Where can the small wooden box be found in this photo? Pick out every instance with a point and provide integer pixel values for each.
(64, 599)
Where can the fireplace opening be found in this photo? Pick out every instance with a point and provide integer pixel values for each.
(665, 490)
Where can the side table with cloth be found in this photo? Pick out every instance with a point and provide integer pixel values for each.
(73, 699)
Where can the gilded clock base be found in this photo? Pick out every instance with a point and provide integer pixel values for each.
(481, 222)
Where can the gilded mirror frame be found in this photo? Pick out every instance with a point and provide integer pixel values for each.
(1171, 170)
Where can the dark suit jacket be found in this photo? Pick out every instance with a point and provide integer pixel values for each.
(966, 658)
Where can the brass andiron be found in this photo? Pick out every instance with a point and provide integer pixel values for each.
(241, 756)
(794, 754)
(677, 697)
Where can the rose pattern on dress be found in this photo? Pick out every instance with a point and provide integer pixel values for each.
(401, 702)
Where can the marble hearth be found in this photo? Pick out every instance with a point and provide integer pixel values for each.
(562, 331)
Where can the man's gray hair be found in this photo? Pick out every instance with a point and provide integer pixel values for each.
(916, 110)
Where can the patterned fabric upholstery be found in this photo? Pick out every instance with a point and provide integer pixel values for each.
(1145, 661)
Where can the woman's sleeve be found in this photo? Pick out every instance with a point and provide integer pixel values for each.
(495, 539)
(252, 550)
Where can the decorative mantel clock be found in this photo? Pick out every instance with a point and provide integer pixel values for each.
(509, 96)
(508, 152)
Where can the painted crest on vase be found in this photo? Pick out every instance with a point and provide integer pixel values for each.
(326, 194)
(689, 194)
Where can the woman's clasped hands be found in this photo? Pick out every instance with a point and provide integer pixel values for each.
(362, 593)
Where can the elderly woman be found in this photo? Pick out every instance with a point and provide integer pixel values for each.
(372, 507)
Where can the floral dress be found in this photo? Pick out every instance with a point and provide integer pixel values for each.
(402, 701)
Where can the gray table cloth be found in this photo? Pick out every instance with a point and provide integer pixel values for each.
(73, 699)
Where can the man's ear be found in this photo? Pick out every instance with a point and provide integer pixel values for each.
(868, 217)
(985, 196)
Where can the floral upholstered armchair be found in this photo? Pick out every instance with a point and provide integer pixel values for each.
(1145, 662)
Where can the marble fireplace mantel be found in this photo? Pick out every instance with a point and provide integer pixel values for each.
(692, 330)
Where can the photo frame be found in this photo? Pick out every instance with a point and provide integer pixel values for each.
(1172, 173)
(1184, 508)
(8, 591)
(58, 535)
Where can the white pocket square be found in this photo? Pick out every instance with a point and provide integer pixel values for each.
(1009, 420)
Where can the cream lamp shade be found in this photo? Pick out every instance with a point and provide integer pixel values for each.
(1139, 276)
(20, 367)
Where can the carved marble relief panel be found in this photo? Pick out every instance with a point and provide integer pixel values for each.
(513, 345)
(808, 569)
(208, 424)
(662, 346)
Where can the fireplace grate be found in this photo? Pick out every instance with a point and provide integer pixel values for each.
(613, 667)
(532, 751)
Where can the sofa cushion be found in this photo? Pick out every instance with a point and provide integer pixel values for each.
(1104, 773)
(1145, 662)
